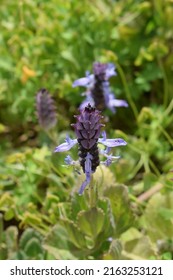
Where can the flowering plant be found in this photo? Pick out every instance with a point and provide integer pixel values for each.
(88, 129)
(98, 91)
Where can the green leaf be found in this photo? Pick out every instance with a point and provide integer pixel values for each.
(158, 213)
(59, 254)
(9, 214)
(109, 223)
(149, 180)
(11, 240)
(6, 65)
(136, 246)
(121, 208)
(3, 249)
(75, 235)
(57, 237)
(78, 203)
(91, 222)
(167, 256)
(28, 234)
(114, 252)
(67, 55)
(33, 248)
(167, 214)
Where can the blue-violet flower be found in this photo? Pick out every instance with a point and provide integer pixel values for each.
(88, 129)
(98, 91)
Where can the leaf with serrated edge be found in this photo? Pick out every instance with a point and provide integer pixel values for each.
(91, 222)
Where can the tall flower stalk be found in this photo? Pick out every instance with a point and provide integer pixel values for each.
(98, 91)
(88, 129)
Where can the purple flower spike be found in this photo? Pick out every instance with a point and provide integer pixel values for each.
(88, 129)
(45, 109)
(98, 91)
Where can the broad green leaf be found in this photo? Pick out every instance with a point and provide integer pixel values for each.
(74, 233)
(27, 235)
(158, 213)
(109, 223)
(78, 203)
(9, 214)
(57, 237)
(91, 222)
(59, 254)
(167, 214)
(136, 246)
(121, 208)
(11, 235)
(104, 178)
(33, 248)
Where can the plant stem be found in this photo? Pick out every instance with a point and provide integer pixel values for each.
(136, 168)
(166, 135)
(166, 92)
(128, 94)
(169, 108)
(146, 195)
(154, 167)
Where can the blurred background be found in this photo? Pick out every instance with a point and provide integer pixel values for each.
(50, 44)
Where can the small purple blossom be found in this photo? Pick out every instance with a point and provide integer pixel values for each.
(88, 129)
(45, 109)
(98, 91)
(69, 143)
(111, 142)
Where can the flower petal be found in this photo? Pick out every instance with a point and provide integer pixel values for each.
(69, 161)
(112, 142)
(110, 71)
(110, 159)
(88, 173)
(65, 146)
(84, 184)
(117, 103)
(84, 82)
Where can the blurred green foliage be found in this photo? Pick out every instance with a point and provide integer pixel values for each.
(50, 44)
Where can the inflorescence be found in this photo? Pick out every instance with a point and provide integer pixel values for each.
(88, 129)
(98, 91)
(46, 110)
